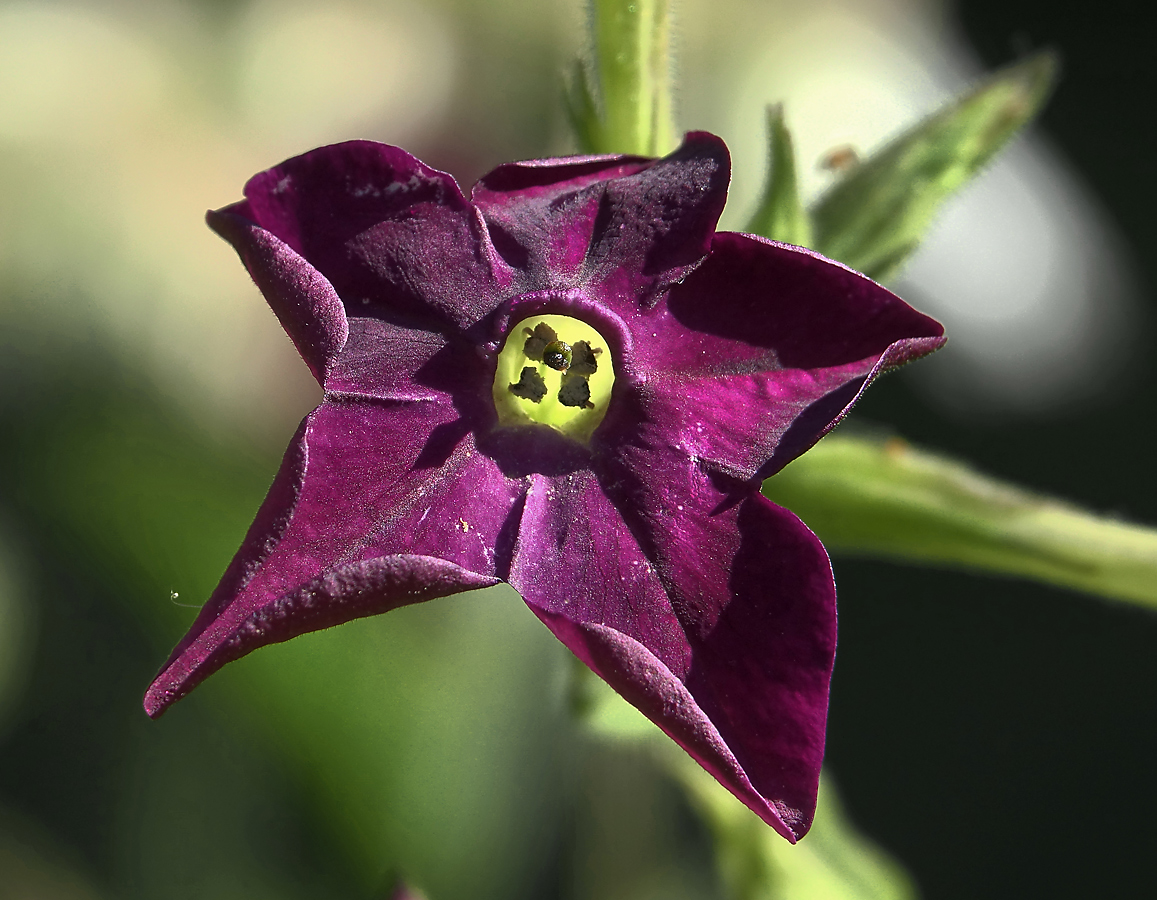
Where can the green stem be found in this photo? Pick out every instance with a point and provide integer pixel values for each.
(623, 102)
(885, 499)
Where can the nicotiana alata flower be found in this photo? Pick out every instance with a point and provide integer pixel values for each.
(572, 383)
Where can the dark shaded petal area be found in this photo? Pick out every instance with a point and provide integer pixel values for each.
(351, 355)
(575, 558)
(373, 509)
(756, 305)
(722, 628)
(621, 228)
(810, 311)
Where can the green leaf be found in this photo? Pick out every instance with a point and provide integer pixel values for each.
(878, 213)
(621, 103)
(781, 215)
(885, 499)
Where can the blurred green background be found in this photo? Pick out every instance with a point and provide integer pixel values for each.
(997, 737)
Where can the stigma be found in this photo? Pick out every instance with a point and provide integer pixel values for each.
(554, 371)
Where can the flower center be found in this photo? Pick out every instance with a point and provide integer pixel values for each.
(556, 371)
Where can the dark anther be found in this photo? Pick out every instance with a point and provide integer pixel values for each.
(531, 385)
(557, 355)
(538, 339)
(575, 392)
(583, 360)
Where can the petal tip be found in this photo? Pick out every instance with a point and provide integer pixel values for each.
(158, 699)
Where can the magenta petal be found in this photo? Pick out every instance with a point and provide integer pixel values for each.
(760, 352)
(376, 506)
(718, 624)
(394, 237)
(305, 303)
(384, 361)
(755, 305)
(575, 557)
(761, 596)
(736, 424)
(642, 680)
(541, 213)
(315, 202)
(751, 426)
(650, 552)
(654, 228)
(517, 183)
(753, 589)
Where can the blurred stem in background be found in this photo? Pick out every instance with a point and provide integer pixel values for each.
(832, 861)
(781, 215)
(882, 500)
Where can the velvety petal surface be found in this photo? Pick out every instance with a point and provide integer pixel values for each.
(541, 212)
(576, 558)
(810, 311)
(305, 303)
(715, 618)
(759, 352)
(395, 238)
(352, 355)
(650, 552)
(376, 506)
(621, 228)
(756, 305)
(754, 592)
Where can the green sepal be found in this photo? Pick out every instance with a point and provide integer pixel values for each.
(877, 214)
(622, 101)
(781, 215)
(887, 500)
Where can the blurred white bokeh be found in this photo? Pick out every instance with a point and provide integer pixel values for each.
(1034, 291)
(316, 73)
(67, 71)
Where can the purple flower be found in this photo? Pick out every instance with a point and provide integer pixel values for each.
(456, 448)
